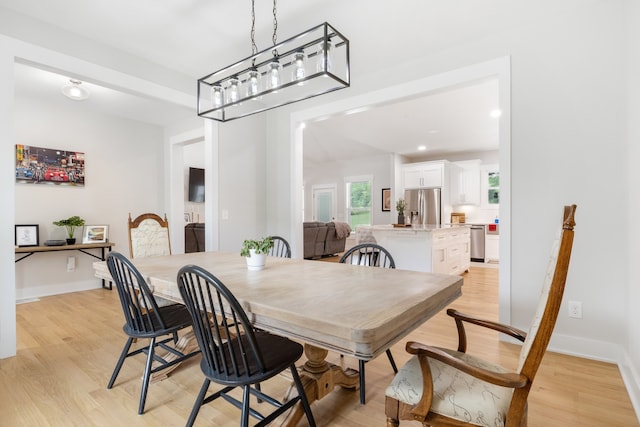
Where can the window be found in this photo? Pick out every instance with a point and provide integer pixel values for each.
(490, 186)
(358, 192)
(493, 194)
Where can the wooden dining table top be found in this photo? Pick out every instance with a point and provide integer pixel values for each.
(355, 310)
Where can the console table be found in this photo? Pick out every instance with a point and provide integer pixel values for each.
(82, 247)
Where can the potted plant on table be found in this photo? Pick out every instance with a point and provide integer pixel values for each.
(70, 224)
(400, 206)
(256, 252)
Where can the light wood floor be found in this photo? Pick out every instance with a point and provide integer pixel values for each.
(68, 345)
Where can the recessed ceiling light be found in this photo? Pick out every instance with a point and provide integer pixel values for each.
(496, 113)
(75, 91)
(433, 131)
(422, 147)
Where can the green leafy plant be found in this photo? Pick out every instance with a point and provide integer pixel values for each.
(400, 206)
(70, 224)
(259, 246)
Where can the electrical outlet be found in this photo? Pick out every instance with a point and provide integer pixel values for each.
(575, 309)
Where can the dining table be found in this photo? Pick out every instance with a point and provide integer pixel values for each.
(353, 310)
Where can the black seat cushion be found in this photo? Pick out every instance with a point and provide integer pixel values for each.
(175, 316)
(278, 353)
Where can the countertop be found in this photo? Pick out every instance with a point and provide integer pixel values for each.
(421, 227)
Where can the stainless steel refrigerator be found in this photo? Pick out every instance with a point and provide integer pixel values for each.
(423, 206)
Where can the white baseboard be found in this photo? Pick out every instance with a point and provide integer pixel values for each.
(45, 290)
(603, 351)
(631, 378)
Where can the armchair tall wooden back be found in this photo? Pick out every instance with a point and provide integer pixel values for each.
(149, 236)
(442, 387)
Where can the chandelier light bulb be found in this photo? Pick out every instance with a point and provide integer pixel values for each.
(273, 75)
(253, 83)
(325, 57)
(233, 91)
(298, 66)
(217, 96)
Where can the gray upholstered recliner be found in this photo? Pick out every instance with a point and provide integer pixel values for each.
(322, 239)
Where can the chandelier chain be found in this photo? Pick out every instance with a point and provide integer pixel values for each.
(254, 47)
(275, 24)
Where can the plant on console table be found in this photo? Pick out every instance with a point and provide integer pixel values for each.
(400, 206)
(256, 252)
(70, 224)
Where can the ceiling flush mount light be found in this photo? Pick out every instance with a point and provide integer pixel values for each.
(310, 64)
(75, 91)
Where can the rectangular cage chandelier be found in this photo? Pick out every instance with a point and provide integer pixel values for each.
(312, 63)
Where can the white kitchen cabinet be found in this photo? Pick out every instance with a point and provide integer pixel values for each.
(465, 183)
(491, 248)
(434, 249)
(456, 244)
(423, 175)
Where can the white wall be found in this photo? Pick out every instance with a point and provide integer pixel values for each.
(123, 165)
(631, 365)
(7, 215)
(379, 166)
(243, 189)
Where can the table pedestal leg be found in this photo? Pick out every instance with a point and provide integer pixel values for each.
(319, 378)
(186, 344)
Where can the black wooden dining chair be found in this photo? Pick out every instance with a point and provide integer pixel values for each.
(144, 319)
(370, 255)
(234, 353)
(280, 247)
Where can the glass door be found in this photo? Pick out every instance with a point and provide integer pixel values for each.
(324, 203)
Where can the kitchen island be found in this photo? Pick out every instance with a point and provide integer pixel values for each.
(428, 248)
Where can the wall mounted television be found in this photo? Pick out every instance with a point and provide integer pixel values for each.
(196, 185)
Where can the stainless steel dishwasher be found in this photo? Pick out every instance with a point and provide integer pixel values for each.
(477, 243)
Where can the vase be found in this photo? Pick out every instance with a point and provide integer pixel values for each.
(71, 241)
(401, 219)
(256, 261)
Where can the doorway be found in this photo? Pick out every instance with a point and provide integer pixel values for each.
(499, 69)
(324, 206)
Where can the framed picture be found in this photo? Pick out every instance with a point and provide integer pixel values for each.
(39, 165)
(27, 235)
(95, 234)
(386, 200)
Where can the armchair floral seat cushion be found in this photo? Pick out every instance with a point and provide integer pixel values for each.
(455, 394)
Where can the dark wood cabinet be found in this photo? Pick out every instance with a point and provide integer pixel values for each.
(194, 237)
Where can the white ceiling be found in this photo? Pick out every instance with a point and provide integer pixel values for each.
(195, 37)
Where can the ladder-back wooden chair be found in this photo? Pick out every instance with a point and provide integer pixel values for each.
(442, 387)
(149, 236)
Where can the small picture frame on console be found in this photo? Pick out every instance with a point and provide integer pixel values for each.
(27, 235)
(96, 234)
